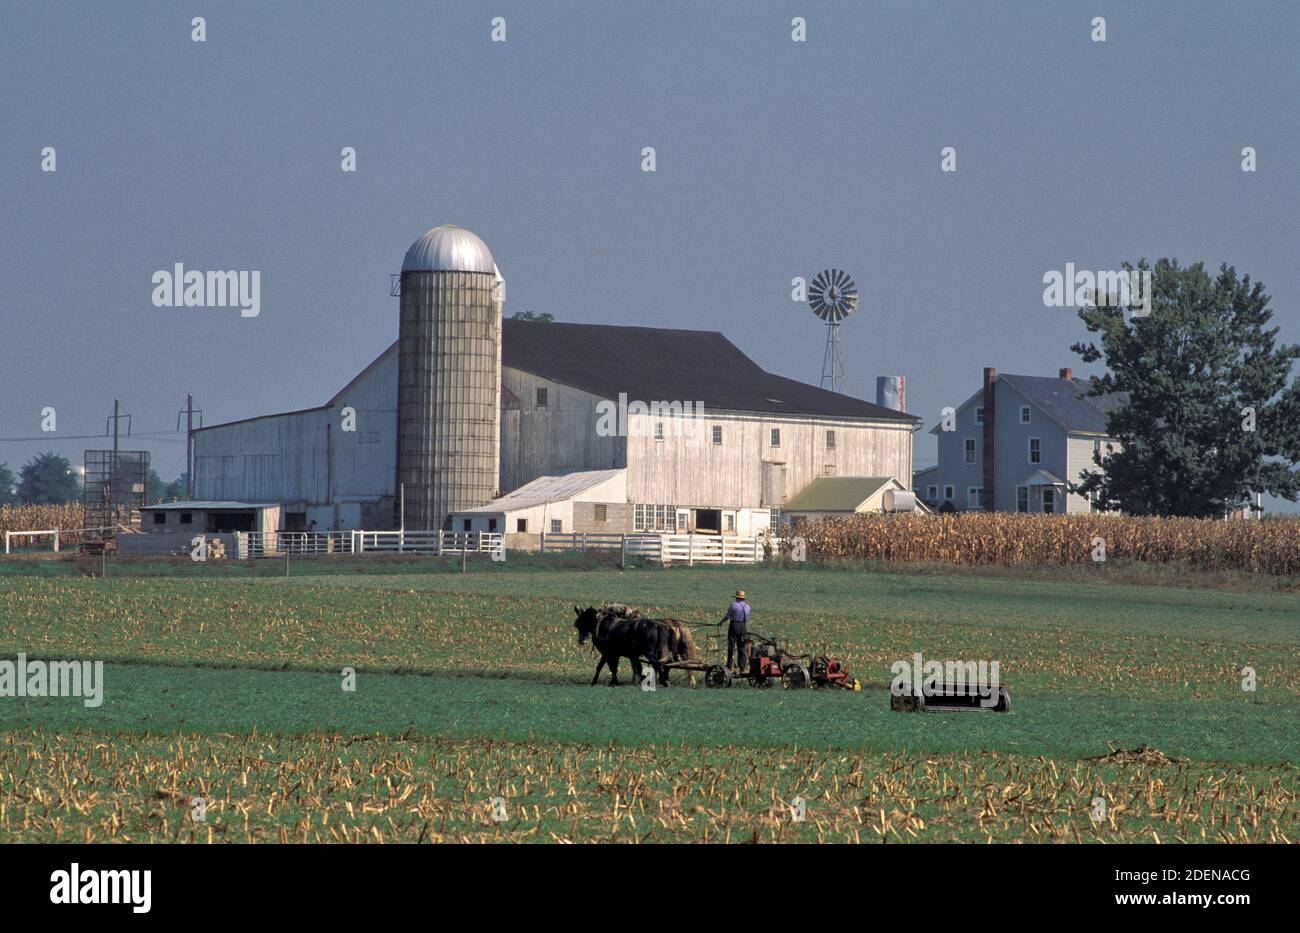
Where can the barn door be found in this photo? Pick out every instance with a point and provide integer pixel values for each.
(773, 485)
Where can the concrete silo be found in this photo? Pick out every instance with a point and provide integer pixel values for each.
(448, 376)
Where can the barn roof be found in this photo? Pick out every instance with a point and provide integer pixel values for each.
(659, 364)
(544, 489)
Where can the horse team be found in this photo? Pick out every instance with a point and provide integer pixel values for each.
(618, 632)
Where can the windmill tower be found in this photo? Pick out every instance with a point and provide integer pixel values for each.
(833, 296)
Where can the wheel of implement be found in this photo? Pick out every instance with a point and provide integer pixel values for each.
(717, 676)
(1004, 701)
(795, 677)
(762, 682)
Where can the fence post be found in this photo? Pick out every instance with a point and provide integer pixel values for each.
(541, 544)
(56, 540)
(690, 549)
(756, 550)
(462, 556)
(622, 552)
(722, 549)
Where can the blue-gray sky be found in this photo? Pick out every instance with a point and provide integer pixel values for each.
(774, 159)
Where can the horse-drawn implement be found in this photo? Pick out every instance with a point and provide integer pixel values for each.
(771, 663)
(667, 645)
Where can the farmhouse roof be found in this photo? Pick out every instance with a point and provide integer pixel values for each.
(836, 493)
(1066, 401)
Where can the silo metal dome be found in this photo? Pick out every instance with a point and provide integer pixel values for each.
(449, 249)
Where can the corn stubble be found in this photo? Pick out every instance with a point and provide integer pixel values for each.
(85, 787)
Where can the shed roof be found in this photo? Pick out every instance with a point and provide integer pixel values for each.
(206, 505)
(545, 489)
(836, 493)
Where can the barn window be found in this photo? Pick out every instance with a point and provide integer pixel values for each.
(659, 430)
(557, 525)
(492, 524)
(830, 440)
(654, 518)
(187, 518)
(1024, 414)
(541, 398)
(601, 512)
(521, 525)
(776, 437)
(970, 450)
(160, 518)
(717, 434)
(465, 525)
(729, 521)
(1035, 450)
(1022, 498)
(828, 469)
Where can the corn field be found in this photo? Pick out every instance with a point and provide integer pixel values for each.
(1271, 546)
(69, 518)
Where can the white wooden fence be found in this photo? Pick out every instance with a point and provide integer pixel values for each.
(278, 543)
(33, 534)
(667, 549)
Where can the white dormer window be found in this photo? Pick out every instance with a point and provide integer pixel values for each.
(1024, 414)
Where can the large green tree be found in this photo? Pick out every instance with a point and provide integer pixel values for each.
(8, 485)
(1212, 412)
(48, 479)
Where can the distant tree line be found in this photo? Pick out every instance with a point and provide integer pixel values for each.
(49, 479)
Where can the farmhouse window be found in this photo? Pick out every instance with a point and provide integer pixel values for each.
(541, 398)
(1022, 498)
(717, 434)
(1049, 499)
(970, 450)
(979, 415)
(932, 493)
(776, 437)
(1035, 450)
(1024, 414)
(601, 512)
(949, 493)
(830, 440)
(973, 496)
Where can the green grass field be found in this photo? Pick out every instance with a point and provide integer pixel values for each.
(226, 686)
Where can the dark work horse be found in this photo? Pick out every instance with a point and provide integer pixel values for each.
(625, 634)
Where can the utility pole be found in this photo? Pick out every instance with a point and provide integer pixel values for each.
(189, 411)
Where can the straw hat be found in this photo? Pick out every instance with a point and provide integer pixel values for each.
(740, 594)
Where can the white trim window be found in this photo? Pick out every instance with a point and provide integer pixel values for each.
(659, 430)
(1035, 450)
(949, 493)
(1022, 498)
(1024, 414)
(969, 451)
(775, 437)
(1049, 498)
(717, 434)
(830, 440)
(973, 494)
(979, 415)
(932, 493)
(654, 518)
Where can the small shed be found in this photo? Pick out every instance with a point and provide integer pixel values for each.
(209, 517)
(582, 500)
(831, 496)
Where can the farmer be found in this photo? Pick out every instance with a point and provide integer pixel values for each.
(737, 618)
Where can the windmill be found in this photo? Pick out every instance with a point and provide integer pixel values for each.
(833, 296)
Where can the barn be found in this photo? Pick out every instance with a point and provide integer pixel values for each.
(470, 420)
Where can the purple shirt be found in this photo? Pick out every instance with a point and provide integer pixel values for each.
(738, 612)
